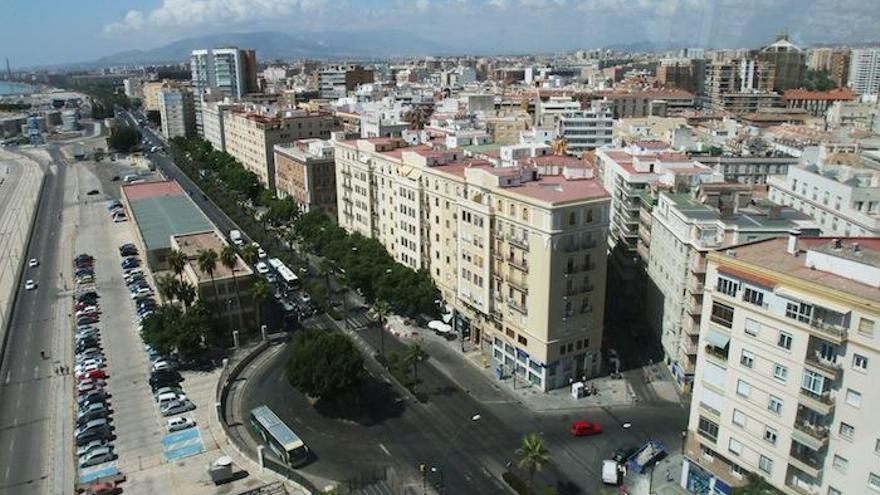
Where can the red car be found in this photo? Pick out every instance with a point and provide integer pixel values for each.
(94, 375)
(585, 429)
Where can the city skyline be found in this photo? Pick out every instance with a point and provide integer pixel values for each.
(456, 26)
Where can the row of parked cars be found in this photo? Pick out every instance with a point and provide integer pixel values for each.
(164, 378)
(117, 211)
(94, 430)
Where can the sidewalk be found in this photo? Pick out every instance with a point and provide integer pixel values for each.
(477, 379)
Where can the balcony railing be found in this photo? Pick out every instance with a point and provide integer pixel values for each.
(715, 352)
(522, 264)
(837, 331)
(829, 367)
(694, 307)
(822, 403)
(519, 242)
(512, 304)
(517, 284)
(818, 432)
(698, 265)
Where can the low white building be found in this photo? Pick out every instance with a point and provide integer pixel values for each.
(585, 130)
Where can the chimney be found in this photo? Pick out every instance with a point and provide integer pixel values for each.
(793, 242)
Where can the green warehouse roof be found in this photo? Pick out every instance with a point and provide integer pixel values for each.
(160, 217)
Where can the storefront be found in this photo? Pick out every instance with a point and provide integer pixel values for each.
(698, 481)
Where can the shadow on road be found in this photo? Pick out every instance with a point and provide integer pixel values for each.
(373, 402)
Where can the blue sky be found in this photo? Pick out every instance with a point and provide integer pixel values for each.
(61, 31)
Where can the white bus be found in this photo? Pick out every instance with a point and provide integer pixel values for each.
(290, 280)
(279, 437)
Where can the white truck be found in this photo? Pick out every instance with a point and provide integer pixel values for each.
(612, 473)
(235, 237)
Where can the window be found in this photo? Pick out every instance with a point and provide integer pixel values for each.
(522, 340)
(765, 464)
(735, 446)
(747, 359)
(853, 398)
(784, 340)
(771, 435)
(874, 482)
(775, 404)
(799, 311)
(572, 218)
(813, 382)
(753, 296)
(846, 430)
(727, 286)
(739, 418)
(860, 362)
(866, 327)
(780, 373)
(840, 463)
(752, 327)
(722, 314)
(877, 446)
(743, 388)
(708, 429)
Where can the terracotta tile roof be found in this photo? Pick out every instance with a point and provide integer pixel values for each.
(834, 94)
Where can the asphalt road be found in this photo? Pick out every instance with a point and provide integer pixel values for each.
(26, 391)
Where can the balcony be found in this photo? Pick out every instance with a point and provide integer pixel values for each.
(811, 435)
(698, 265)
(519, 308)
(827, 367)
(716, 353)
(806, 463)
(822, 403)
(688, 346)
(693, 306)
(694, 285)
(496, 313)
(519, 242)
(803, 487)
(522, 265)
(519, 285)
(837, 332)
(498, 235)
(691, 325)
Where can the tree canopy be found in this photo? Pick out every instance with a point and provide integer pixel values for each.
(169, 330)
(123, 138)
(323, 365)
(756, 486)
(818, 80)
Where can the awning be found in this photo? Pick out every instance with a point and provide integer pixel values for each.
(717, 338)
(447, 317)
(439, 326)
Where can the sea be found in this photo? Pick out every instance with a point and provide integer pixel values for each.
(11, 88)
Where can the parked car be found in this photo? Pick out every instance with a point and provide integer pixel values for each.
(85, 449)
(92, 435)
(30, 285)
(97, 456)
(177, 407)
(262, 268)
(180, 423)
(94, 374)
(33, 263)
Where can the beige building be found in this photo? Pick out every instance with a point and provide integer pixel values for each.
(151, 91)
(177, 112)
(250, 136)
(517, 248)
(223, 303)
(306, 172)
(785, 371)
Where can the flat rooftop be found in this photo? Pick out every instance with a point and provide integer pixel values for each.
(160, 217)
(193, 244)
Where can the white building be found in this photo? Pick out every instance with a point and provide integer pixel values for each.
(786, 372)
(213, 121)
(864, 70)
(221, 72)
(585, 130)
(547, 113)
(844, 199)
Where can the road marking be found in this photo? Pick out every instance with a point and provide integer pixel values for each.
(36, 371)
(384, 449)
(8, 377)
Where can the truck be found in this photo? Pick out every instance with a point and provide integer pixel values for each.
(647, 454)
(235, 237)
(612, 472)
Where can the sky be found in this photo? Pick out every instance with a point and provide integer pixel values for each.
(45, 32)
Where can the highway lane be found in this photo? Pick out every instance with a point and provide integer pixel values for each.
(26, 399)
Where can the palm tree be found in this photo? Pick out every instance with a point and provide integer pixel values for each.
(260, 292)
(532, 454)
(229, 258)
(414, 355)
(177, 262)
(207, 261)
(186, 294)
(382, 310)
(166, 284)
(249, 254)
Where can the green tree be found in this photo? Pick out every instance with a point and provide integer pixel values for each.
(532, 455)
(324, 365)
(166, 284)
(207, 261)
(415, 355)
(123, 138)
(249, 254)
(154, 117)
(818, 80)
(382, 310)
(169, 330)
(229, 259)
(756, 486)
(186, 293)
(260, 292)
(177, 262)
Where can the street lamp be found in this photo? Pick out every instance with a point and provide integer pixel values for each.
(442, 469)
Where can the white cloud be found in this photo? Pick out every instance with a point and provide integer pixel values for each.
(497, 4)
(191, 13)
(423, 5)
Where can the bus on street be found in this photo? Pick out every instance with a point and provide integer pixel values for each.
(279, 437)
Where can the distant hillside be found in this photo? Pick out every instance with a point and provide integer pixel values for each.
(274, 45)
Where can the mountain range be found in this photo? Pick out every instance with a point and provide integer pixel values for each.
(271, 45)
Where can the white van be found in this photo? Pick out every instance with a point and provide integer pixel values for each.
(235, 237)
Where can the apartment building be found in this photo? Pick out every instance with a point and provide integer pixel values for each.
(784, 383)
(213, 122)
(336, 81)
(151, 89)
(750, 169)
(864, 70)
(741, 86)
(816, 102)
(306, 172)
(516, 247)
(177, 113)
(219, 290)
(685, 227)
(843, 198)
(585, 130)
(251, 135)
(639, 104)
(548, 112)
(788, 61)
(222, 72)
